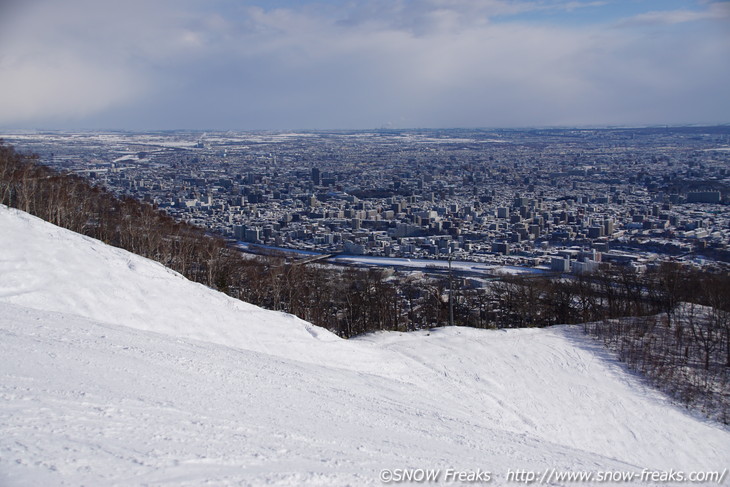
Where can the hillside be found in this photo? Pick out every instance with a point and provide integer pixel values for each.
(118, 371)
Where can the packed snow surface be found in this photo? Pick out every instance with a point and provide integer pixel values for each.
(118, 371)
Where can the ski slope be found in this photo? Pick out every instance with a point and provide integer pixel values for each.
(118, 371)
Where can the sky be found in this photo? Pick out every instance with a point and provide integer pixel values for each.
(362, 64)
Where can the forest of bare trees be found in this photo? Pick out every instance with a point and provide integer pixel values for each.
(670, 323)
(685, 348)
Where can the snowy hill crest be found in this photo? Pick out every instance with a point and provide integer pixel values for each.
(117, 371)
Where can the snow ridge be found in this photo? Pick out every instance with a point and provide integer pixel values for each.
(118, 371)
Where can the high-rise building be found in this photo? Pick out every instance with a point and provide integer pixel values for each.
(559, 264)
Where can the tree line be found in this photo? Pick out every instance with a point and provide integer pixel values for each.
(671, 323)
(684, 349)
(71, 202)
(348, 301)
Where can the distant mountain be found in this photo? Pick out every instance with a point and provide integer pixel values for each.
(118, 371)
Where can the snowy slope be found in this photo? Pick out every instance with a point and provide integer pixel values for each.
(117, 371)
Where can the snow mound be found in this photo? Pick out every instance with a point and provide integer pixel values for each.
(117, 371)
(49, 268)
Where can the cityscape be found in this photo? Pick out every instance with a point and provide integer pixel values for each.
(364, 242)
(561, 200)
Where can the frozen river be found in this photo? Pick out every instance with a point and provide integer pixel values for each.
(427, 265)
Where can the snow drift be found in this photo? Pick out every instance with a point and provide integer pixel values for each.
(118, 371)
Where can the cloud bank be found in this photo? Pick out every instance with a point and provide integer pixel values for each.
(431, 63)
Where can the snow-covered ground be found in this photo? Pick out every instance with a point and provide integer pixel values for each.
(117, 371)
(459, 265)
(415, 264)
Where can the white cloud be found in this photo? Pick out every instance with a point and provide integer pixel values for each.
(435, 62)
(667, 17)
(68, 60)
(712, 11)
(60, 88)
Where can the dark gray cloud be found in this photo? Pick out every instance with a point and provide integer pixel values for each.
(208, 64)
